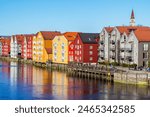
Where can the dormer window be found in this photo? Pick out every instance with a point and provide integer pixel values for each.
(89, 39)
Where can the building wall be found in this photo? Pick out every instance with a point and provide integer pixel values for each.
(78, 50)
(0, 48)
(90, 53)
(143, 61)
(14, 48)
(34, 49)
(60, 50)
(71, 52)
(104, 47)
(39, 52)
(29, 48)
(6, 48)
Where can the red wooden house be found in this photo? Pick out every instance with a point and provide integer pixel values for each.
(71, 52)
(6, 46)
(86, 48)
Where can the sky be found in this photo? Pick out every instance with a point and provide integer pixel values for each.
(31, 16)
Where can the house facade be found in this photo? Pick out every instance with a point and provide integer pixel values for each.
(27, 46)
(104, 44)
(6, 47)
(86, 48)
(16, 49)
(61, 48)
(42, 46)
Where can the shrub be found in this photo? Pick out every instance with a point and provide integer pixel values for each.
(115, 64)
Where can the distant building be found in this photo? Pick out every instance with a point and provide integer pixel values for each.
(86, 48)
(62, 52)
(5, 46)
(27, 46)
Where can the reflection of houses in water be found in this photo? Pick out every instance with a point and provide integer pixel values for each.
(6, 68)
(25, 73)
(80, 88)
(13, 73)
(41, 81)
(60, 85)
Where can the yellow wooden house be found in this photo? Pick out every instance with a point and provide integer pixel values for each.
(42, 46)
(60, 47)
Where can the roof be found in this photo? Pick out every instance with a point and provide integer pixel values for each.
(5, 37)
(49, 34)
(28, 36)
(109, 29)
(49, 50)
(89, 38)
(70, 36)
(143, 35)
(128, 29)
(132, 15)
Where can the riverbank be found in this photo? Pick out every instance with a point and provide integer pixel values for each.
(101, 72)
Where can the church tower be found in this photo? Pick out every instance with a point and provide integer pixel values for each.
(132, 19)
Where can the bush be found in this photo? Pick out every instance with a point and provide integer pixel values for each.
(115, 64)
(125, 65)
(133, 65)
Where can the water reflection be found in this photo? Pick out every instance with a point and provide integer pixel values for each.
(21, 81)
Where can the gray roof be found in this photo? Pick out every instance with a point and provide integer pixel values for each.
(89, 38)
(5, 36)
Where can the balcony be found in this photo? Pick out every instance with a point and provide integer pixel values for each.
(112, 42)
(112, 56)
(101, 49)
(112, 49)
(101, 42)
(129, 50)
(122, 49)
(129, 58)
(122, 57)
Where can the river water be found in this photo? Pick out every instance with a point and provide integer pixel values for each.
(26, 82)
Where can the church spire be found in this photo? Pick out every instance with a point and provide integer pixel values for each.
(132, 19)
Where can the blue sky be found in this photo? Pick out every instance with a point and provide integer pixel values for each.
(31, 16)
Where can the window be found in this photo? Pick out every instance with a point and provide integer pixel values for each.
(91, 47)
(71, 46)
(78, 42)
(63, 45)
(91, 58)
(145, 55)
(90, 52)
(145, 47)
(63, 54)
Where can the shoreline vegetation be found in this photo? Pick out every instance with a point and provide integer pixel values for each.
(101, 71)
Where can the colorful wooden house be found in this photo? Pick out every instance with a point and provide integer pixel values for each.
(27, 46)
(86, 48)
(61, 47)
(5, 46)
(42, 46)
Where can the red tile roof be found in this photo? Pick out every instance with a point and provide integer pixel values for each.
(143, 35)
(109, 29)
(70, 36)
(49, 35)
(141, 32)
